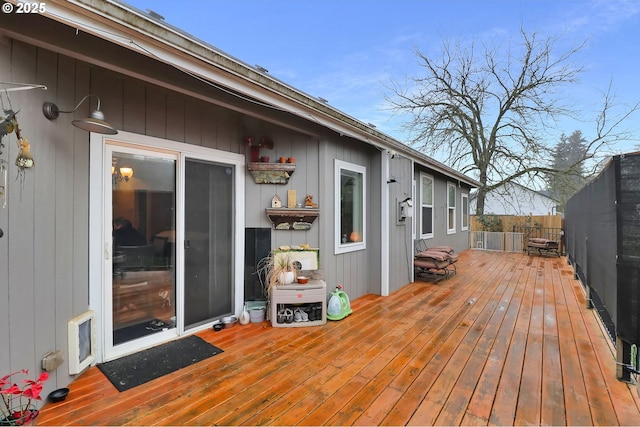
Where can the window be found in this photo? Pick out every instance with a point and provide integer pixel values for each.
(350, 189)
(451, 208)
(426, 206)
(465, 212)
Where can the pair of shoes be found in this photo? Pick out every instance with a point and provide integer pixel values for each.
(284, 315)
(300, 315)
(156, 325)
(315, 312)
(288, 315)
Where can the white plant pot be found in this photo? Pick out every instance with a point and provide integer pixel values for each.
(245, 317)
(286, 278)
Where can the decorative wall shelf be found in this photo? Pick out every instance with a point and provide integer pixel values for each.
(292, 218)
(271, 173)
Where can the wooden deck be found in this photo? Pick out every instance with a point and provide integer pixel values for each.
(507, 341)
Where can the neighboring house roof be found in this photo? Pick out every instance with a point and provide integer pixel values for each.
(515, 199)
(149, 35)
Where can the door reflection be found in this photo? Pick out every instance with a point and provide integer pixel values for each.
(143, 261)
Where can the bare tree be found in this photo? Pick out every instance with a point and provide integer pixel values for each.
(486, 113)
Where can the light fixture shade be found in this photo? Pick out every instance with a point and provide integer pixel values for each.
(94, 123)
(126, 172)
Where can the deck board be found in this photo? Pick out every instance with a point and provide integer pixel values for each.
(507, 340)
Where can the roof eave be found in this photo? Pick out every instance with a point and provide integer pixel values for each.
(151, 33)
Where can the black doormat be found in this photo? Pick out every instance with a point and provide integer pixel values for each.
(139, 368)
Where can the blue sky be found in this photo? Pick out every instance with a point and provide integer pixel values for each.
(346, 51)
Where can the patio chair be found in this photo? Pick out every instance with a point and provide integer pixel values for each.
(421, 246)
(433, 264)
(453, 257)
(542, 246)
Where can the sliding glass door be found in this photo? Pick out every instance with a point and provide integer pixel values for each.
(142, 223)
(208, 245)
(169, 230)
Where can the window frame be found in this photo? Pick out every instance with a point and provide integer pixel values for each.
(340, 247)
(451, 210)
(464, 216)
(425, 205)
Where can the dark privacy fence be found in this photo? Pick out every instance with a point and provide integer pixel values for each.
(602, 237)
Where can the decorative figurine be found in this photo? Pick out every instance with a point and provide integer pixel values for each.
(308, 202)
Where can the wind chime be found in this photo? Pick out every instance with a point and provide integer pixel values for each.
(24, 160)
(6, 127)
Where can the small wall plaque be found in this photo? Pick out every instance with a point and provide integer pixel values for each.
(291, 198)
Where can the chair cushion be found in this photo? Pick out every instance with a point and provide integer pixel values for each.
(435, 255)
(447, 249)
(453, 258)
(430, 263)
(539, 240)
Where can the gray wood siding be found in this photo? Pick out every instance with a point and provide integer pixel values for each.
(305, 180)
(45, 222)
(359, 271)
(458, 240)
(400, 239)
(5, 335)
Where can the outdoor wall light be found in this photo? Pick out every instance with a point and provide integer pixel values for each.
(94, 123)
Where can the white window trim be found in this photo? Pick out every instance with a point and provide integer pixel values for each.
(341, 248)
(413, 197)
(462, 214)
(451, 228)
(422, 204)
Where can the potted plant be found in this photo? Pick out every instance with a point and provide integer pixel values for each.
(278, 268)
(255, 146)
(17, 406)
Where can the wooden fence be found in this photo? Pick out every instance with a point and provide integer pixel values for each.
(508, 222)
(497, 241)
(509, 233)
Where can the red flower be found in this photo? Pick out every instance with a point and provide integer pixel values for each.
(12, 404)
(14, 389)
(34, 391)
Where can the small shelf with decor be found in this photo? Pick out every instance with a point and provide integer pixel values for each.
(292, 218)
(271, 173)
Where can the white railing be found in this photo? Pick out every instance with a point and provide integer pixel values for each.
(497, 241)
